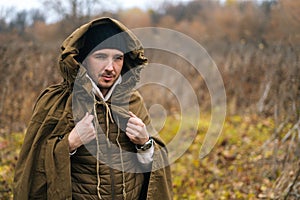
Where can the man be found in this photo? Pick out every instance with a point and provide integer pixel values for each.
(87, 138)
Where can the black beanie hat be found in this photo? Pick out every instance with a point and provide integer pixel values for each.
(101, 37)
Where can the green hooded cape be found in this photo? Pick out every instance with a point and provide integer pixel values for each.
(44, 162)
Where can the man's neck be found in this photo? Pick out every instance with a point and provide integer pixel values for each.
(104, 91)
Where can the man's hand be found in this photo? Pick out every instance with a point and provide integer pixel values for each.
(136, 130)
(82, 133)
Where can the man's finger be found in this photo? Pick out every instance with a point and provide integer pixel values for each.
(130, 131)
(90, 118)
(136, 121)
(130, 135)
(87, 117)
(132, 115)
(134, 127)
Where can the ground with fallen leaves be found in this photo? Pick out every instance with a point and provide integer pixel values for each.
(238, 167)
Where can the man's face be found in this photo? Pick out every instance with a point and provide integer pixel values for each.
(104, 67)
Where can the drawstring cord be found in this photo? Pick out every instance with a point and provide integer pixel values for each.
(122, 162)
(98, 152)
(108, 116)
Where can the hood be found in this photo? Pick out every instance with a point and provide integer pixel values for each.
(74, 73)
(69, 64)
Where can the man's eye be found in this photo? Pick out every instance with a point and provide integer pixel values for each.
(100, 56)
(119, 58)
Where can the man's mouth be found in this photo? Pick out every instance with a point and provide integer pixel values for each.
(107, 77)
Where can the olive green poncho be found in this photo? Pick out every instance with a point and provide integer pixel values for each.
(43, 168)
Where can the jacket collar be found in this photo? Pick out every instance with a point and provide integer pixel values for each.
(97, 91)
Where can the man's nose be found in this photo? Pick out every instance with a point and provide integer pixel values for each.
(110, 65)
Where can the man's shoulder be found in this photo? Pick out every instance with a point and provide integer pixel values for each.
(52, 94)
(55, 88)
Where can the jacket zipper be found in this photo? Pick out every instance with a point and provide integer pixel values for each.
(111, 172)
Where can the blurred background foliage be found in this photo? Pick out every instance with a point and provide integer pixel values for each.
(256, 46)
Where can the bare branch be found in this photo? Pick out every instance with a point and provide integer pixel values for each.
(289, 133)
(263, 98)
